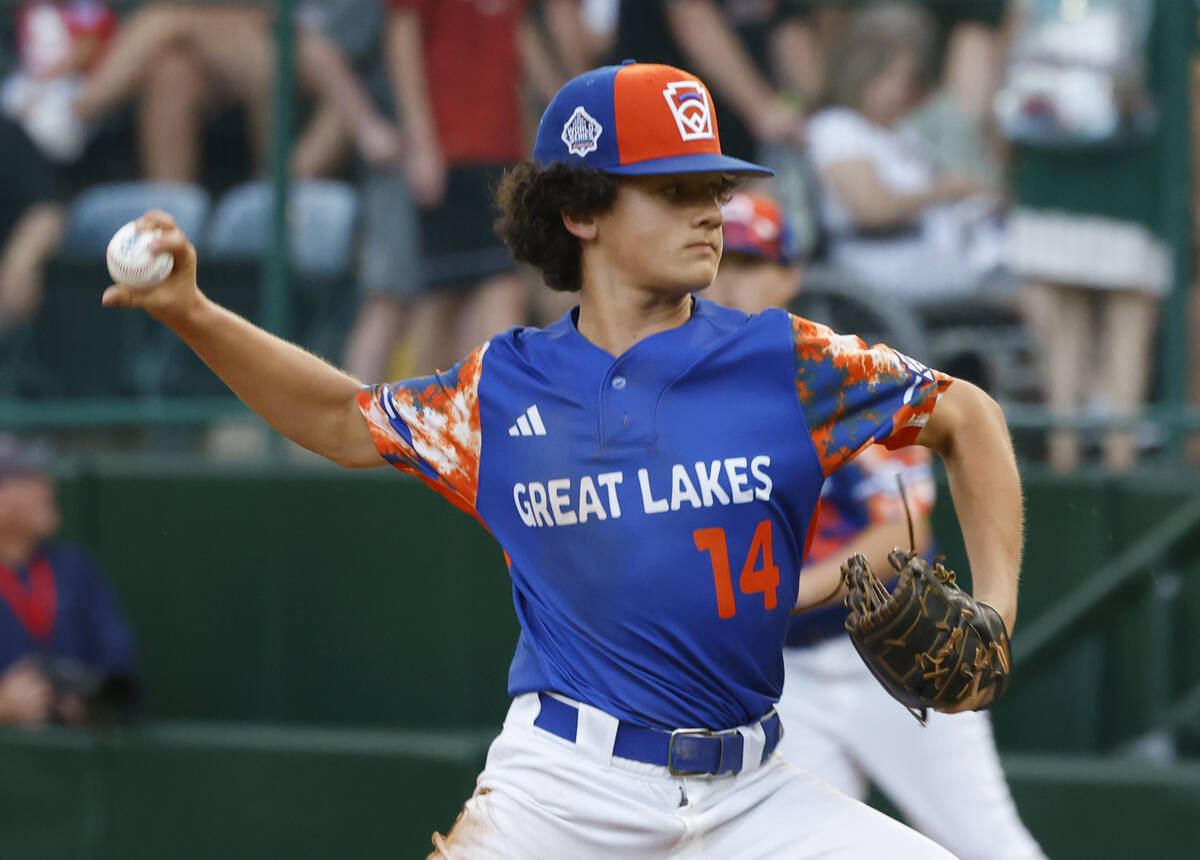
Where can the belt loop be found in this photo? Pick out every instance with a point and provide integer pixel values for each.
(523, 710)
(754, 741)
(595, 734)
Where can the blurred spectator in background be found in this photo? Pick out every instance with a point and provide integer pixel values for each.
(737, 47)
(389, 271)
(59, 43)
(456, 70)
(31, 224)
(555, 46)
(181, 61)
(1089, 225)
(599, 19)
(956, 121)
(758, 266)
(552, 46)
(66, 653)
(891, 221)
(340, 62)
(763, 62)
(967, 52)
(557, 43)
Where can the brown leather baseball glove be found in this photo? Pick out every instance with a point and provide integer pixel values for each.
(928, 642)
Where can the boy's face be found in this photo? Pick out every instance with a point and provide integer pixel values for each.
(663, 233)
(752, 284)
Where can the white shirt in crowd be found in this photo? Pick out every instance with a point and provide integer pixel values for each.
(948, 250)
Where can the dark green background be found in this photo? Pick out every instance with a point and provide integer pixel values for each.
(325, 655)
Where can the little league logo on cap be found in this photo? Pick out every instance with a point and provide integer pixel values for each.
(581, 133)
(636, 119)
(688, 101)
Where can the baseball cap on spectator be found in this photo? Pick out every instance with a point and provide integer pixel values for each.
(756, 226)
(636, 119)
(21, 459)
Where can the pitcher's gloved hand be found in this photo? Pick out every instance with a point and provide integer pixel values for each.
(928, 642)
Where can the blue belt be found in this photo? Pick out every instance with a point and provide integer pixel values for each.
(684, 752)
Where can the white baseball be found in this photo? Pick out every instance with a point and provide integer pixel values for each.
(130, 261)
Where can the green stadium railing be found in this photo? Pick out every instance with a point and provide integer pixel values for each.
(1147, 562)
(108, 412)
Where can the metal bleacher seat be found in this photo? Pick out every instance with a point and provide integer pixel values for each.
(99, 211)
(322, 221)
(976, 338)
(322, 215)
(979, 337)
(831, 297)
(76, 347)
(984, 339)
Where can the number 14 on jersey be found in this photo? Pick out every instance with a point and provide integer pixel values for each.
(754, 579)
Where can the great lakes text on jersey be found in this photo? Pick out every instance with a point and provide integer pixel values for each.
(564, 502)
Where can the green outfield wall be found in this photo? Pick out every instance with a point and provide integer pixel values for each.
(325, 596)
(202, 791)
(325, 655)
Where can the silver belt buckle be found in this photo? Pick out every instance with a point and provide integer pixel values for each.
(704, 733)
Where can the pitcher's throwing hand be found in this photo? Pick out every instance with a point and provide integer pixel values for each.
(173, 292)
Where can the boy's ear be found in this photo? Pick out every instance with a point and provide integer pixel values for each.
(581, 227)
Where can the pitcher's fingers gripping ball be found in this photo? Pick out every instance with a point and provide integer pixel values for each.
(130, 260)
(928, 642)
(156, 271)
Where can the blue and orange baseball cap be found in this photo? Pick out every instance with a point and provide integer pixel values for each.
(636, 119)
(756, 225)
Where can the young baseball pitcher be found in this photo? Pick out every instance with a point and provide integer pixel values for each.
(651, 464)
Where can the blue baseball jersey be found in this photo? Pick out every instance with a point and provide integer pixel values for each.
(862, 494)
(653, 506)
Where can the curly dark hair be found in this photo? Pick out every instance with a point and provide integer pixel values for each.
(531, 199)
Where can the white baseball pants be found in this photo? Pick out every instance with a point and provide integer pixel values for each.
(540, 797)
(945, 777)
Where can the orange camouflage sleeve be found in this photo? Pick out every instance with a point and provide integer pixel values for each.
(854, 395)
(429, 427)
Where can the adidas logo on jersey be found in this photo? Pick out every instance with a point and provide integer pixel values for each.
(529, 424)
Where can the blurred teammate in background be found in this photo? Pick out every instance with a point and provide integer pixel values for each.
(759, 268)
(842, 726)
(66, 652)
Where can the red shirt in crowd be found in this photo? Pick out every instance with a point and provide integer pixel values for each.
(53, 36)
(472, 69)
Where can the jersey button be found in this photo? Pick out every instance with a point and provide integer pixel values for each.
(626, 422)
(618, 382)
